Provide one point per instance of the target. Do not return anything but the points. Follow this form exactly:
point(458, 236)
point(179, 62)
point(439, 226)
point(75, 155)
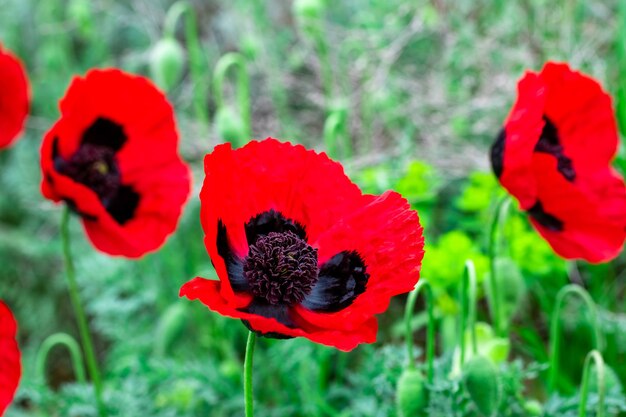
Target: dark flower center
point(95, 167)
point(281, 268)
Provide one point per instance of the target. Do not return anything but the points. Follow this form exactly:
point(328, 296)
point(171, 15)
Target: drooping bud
point(229, 126)
point(166, 63)
point(482, 383)
point(533, 408)
point(411, 398)
point(308, 9)
point(170, 327)
point(611, 380)
point(80, 14)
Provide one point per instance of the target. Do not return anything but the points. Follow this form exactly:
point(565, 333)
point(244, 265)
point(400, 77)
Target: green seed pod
point(229, 126)
point(170, 327)
point(166, 63)
point(482, 383)
point(411, 400)
point(533, 408)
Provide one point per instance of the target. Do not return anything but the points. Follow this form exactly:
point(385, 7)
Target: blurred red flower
point(10, 367)
point(14, 97)
point(113, 158)
point(554, 156)
point(298, 249)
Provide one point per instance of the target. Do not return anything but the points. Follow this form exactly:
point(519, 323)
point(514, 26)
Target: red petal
point(388, 236)
point(585, 120)
point(10, 366)
point(14, 97)
point(208, 292)
point(593, 215)
point(523, 129)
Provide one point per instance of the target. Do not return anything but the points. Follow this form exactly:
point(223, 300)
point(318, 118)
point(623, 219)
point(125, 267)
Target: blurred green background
point(407, 94)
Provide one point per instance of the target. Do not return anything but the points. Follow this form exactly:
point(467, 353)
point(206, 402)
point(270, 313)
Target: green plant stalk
point(468, 308)
point(313, 28)
point(225, 63)
point(596, 357)
point(92, 363)
point(555, 328)
point(621, 67)
point(194, 48)
point(247, 374)
point(279, 95)
point(430, 332)
point(495, 301)
point(332, 131)
point(73, 348)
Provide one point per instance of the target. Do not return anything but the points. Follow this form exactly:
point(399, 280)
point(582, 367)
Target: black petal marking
point(123, 204)
point(547, 220)
point(72, 206)
point(549, 143)
point(497, 154)
point(94, 164)
point(341, 280)
point(278, 312)
point(106, 133)
point(234, 265)
point(272, 221)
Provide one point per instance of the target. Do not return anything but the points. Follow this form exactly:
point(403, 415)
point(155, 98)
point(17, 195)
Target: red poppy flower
point(10, 368)
point(554, 156)
point(14, 97)
point(113, 158)
point(298, 249)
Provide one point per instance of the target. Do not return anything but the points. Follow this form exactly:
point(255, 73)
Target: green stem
point(81, 318)
point(247, 374)
point(194, 48)
point(225, 63)
point(430, 332)
point(468, 307)
point(73, 348)
point(332, 129)
point(596, 357)
point(555, 328)
point(313, 28)
point(495, 301)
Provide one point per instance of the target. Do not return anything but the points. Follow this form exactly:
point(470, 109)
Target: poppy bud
point(308, 9)
point(533, 408)
point(482, 383)
point(166, 63)
point(170, 327)
point(229, 126)
point(611, 380)
point(411, 398)
point(79, 12)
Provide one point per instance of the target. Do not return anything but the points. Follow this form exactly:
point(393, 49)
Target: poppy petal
point(208, 292)
point(387, 235)
point(10, 366)
point(14, 97)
